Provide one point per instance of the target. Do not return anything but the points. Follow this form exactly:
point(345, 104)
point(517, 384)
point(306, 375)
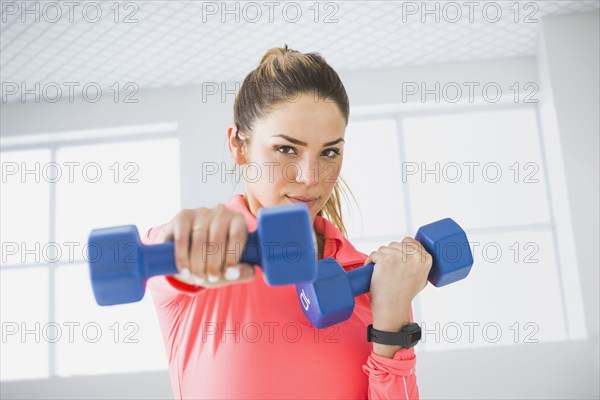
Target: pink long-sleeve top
point(252, 341)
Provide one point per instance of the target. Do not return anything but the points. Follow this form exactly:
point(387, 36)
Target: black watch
point(409, 335)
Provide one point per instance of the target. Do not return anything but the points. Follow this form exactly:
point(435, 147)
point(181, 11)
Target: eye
point(335, 153)
point(285, 149)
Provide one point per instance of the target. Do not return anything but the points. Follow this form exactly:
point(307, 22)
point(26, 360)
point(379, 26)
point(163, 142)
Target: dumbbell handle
point(360, 278)
point(160, 258)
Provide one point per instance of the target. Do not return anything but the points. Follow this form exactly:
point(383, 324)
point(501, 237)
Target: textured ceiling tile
point(171, 44)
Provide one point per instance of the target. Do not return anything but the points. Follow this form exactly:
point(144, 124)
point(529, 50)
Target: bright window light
point(486, 170)
point(25, 197)
point(482, 168)
point(372, 170)
point(26, 332)
point(51, 323)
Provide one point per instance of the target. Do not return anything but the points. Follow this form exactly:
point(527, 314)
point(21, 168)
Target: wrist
point(389, 343)
point(385, 350)
point(392, 321)
point(390, 326)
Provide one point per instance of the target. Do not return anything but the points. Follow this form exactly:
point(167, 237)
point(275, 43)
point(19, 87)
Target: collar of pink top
point(336, 245)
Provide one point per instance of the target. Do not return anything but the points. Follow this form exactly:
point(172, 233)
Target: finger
point(396, 245)
point(381, 251)
point(232, 273)
point(200, 232)
point(217, 237)
point(186, 277)
point(243, 273)
point(386, 250)
point(236, 240)
point(411, 246)
point(408, 239)
point(167, 233)
point(407, 247)
point(376, 256)
point(181, 236)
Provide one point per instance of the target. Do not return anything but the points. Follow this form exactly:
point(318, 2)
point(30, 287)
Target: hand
point(208, 246)
point(400, 273)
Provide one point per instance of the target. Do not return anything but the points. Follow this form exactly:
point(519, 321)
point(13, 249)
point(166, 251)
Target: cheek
point(330, 172)
point(263, 169)
point(287, 172)
point(273, 172)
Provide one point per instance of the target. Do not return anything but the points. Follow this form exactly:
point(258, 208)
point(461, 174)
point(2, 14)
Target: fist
point(400, 273)
point(208, 246)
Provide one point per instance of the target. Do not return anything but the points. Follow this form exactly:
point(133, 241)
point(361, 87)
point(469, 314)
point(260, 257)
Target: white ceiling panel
point(171, 43)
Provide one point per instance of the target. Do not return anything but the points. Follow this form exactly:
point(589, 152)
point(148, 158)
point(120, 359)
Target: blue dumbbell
point(330, 298)
point(120, 264)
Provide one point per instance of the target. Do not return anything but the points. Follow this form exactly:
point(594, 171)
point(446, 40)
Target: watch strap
point(409, 335)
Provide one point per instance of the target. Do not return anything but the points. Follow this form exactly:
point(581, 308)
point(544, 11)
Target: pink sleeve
point(154, 235)
point(393, 378)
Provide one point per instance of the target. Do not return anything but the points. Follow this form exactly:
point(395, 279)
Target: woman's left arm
point(391, 369)
point(400, 273)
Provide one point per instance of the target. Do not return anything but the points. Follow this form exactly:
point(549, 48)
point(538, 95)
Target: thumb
point(167, 233)
point(368, 261)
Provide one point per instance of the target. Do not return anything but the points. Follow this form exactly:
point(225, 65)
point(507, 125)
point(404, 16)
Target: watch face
point(414, 336)
point(411, 335)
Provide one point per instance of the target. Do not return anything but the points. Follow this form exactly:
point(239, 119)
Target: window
point(372, 170)
point(53, 194)
point(486, 170)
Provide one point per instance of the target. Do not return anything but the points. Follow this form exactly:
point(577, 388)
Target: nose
point(308, 171)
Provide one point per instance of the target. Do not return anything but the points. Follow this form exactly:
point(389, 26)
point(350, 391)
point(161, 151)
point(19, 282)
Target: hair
point(284, 74)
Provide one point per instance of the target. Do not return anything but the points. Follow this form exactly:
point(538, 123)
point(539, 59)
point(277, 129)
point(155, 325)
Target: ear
point(236, 148)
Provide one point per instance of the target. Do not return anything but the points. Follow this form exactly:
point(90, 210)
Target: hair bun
point(275, 53)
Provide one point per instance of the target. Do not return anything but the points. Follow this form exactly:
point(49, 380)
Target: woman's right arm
point(208, 246)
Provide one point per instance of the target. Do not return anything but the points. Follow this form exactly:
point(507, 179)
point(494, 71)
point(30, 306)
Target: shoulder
point(337, 246)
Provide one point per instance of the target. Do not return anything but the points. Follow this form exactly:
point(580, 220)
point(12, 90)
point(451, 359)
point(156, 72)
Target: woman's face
point(295, 154)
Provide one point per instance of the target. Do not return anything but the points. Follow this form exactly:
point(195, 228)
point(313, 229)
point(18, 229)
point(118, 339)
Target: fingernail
point(185, 273)
point(232, 273)
point(212, 278)
point(198, 280)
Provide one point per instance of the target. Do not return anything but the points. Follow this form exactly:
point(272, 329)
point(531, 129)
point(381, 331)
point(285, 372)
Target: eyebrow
point(301, 143)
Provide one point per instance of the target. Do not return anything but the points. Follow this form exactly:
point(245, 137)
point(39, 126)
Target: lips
point(305, 199)
point(309, 201)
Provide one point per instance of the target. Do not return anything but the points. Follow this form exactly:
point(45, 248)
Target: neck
point(250, 205)
point(253, 208)
point(320, 246)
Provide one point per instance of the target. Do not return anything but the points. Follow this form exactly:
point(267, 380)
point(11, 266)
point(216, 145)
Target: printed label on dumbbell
point(304, 300)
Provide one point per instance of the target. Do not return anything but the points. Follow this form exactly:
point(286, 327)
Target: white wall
point(555, 370)
point(568, 68)
point(202, 127)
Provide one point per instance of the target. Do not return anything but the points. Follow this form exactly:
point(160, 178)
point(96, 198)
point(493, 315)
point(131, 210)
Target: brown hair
point(283, 74)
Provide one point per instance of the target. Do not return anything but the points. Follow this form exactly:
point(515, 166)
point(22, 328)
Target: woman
point(228, 334)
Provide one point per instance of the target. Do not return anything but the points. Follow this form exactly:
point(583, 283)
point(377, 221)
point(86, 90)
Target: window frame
point(54, 142)
point(399, 112)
